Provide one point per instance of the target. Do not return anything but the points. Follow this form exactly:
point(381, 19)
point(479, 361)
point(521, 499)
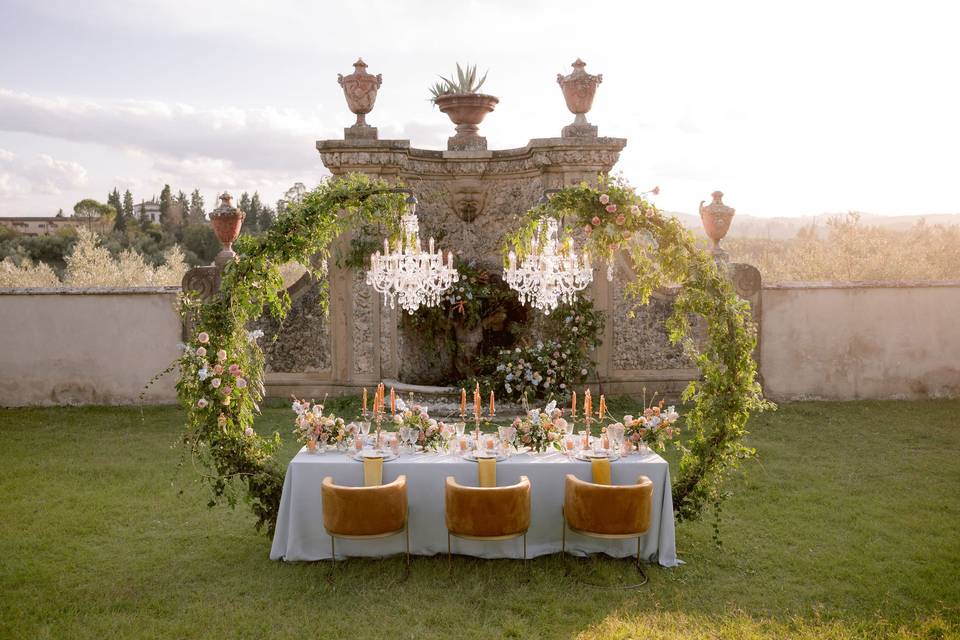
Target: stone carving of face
point(467, 199)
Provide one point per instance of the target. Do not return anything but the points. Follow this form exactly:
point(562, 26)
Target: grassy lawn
point(846, 526)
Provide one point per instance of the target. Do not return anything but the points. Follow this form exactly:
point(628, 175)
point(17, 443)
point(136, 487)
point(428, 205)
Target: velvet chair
point(365, 513)
point(608, 511)
point(488, 513)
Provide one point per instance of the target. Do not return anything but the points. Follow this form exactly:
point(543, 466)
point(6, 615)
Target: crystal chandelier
point(548, 274)
point(408, 274)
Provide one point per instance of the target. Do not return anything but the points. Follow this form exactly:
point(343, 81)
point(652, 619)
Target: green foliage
point(548, 369)
point(465, 82)
point(220, 415)
point(613, 219)
point(847, 249)
point(90, 208)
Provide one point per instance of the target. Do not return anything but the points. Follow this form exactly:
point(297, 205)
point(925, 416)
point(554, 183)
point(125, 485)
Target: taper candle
point(393, 402)
point(493, 406)
point(573, 406)
point(463, 402)
point(364, 401)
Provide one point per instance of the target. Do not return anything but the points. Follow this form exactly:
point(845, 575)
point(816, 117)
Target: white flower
point(201, 351)
point(583, 372)
point(248, 431)
point(203, 374)
point(534, 416)
point(550, 407)
point(202, 403)
point(401, 405)
point(398, 419)
point(215, 383)
point(297, 407)
point(241, 383)
point(253, 335)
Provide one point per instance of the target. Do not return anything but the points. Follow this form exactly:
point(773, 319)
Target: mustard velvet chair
point(487, 513)
point(365, 513)
point(614, 512)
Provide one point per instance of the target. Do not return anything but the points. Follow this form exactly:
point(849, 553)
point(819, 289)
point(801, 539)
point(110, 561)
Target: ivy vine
point(613, 219)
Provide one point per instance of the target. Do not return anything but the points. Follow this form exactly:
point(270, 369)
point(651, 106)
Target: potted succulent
point(464, 105)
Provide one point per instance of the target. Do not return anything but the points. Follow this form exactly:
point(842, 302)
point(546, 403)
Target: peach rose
point(201, 351)
point(222, 355)
point(621, 219)
point(611, 208)
point(604, 198)
point(596, 221)
point(203, 337)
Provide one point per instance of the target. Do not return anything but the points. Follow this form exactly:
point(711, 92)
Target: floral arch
point(221, 369)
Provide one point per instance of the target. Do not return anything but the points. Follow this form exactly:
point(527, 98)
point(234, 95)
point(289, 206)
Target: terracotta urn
point(360, 89)
point(716, 218)
point(467, 111)
point(226, 221)
point(579, 88)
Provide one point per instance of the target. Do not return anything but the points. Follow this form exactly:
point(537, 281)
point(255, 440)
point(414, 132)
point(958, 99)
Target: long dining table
point(300, 535)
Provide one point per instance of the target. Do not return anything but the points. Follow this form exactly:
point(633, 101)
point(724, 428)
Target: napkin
point(487, 470)
point(372, 472)
point(601, 470)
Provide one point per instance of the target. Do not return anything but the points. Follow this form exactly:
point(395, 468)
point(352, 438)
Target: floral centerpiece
point(312, 426)
point(429, 433)
point(653, 428)
point(540, 429)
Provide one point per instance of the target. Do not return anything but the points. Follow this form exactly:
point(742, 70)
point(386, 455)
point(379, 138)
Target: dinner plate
point(588, 456)
point(387, 455)
point(473, 458)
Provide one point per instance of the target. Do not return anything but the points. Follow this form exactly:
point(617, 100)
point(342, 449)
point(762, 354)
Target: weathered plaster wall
point(87, 348)
point(870, 340)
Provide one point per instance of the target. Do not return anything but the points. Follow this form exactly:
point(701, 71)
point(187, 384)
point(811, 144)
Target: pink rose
point(234, 369)
point(604, 198)
point(201, 351)
point(634, 209)
point(215, 383)
point(596, 221)
point(202, 403)
point(241, 383)
point(248, 431)
point(226, 390)
point(649, 213)
point(203, 337)
point(621, 219)
point(222, 355)
point(218, 369)
point(611, 208)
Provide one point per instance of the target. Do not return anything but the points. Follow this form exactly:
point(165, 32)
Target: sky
point(789, 108)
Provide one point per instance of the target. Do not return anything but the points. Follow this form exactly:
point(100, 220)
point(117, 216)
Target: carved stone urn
point(360, 89)
point(716, 218)
point(226, 221)
point(467, 111)
point(578, 88)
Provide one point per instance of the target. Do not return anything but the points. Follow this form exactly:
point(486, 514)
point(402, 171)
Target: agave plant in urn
point(716, 218)
point(226, 221)
point(578, 88)
point(465, 106)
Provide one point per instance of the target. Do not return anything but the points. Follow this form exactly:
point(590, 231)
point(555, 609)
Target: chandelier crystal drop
point(548, 274)
point(407, 274)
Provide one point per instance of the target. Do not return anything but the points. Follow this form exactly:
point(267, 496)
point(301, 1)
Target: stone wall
point(87, 346)
point(867, 340)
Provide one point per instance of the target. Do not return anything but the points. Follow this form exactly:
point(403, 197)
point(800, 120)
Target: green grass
point(846, 526)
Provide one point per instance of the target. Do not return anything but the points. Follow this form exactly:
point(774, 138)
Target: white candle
point(431, 244)
point(512, 258)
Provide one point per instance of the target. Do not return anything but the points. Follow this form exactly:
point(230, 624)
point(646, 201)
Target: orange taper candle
point(364, 401)
point(476, 402)
point(573, 406)
point(603, 406)
point(393, 402)
point(463, 401)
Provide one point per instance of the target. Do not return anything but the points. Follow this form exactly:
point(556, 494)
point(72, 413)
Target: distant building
point(147, 209)
point(42, 226)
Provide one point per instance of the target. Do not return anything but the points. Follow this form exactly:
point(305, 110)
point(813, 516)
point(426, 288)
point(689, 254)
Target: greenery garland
point(221, 369)
point(612, 219)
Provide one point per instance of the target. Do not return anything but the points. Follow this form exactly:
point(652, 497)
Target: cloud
point(265, 149)
point(41, 174)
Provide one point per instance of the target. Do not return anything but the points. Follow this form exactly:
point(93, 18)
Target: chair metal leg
point(524, 548)
point(407, 532)
point(563, 538)
point(449, 559)
point(333, 551)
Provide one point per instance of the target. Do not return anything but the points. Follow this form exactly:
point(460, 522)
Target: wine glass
point(460, 426)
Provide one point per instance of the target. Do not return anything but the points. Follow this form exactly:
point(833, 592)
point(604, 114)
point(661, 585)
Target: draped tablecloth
point(300, 535)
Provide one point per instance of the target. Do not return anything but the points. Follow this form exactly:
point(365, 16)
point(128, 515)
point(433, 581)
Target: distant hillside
point(782, 228)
